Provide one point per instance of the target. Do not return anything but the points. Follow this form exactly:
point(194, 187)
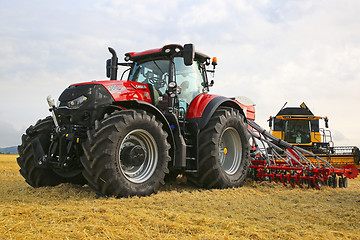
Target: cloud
point(9, 136)
point(271, 51)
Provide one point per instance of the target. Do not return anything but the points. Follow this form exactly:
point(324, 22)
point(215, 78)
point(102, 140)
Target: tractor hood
point(82, 104)
point(123, 90)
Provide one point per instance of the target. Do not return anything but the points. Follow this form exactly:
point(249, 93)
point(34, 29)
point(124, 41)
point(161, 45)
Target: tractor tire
point(224, 151)
point(126, 154)
point(36, 173)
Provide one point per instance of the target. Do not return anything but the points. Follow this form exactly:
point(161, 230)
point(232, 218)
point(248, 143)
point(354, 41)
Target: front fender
point(135, 104)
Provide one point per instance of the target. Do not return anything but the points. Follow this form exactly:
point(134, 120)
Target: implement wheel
point(334, 181)
point(224, 150)
point(126, 154)
point(345, 182)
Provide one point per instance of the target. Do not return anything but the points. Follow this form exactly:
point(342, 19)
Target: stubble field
point(254, 211)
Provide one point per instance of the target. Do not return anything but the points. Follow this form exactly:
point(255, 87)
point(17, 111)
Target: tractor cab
point(190, 80)
point(174, 74)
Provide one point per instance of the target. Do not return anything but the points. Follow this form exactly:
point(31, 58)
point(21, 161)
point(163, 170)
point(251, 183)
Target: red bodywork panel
point(248, 110)
point(125, 90)
point(197, 106)
point(136, 54)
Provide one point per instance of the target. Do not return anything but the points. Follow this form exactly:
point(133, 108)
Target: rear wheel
point(126, 154)
point(224, 150)
point(32, 155)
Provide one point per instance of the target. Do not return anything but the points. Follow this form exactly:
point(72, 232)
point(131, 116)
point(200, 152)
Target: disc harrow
point(276, 160)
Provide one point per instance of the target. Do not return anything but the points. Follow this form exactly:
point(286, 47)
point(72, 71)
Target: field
point(254, 211)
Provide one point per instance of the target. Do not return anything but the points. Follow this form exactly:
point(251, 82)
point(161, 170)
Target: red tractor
point(124, 137)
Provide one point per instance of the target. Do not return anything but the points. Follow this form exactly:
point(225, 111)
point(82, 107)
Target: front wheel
point(224, 150)
point(126, 154)
point(32, 154)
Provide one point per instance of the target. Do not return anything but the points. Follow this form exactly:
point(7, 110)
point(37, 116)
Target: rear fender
point(204, 106)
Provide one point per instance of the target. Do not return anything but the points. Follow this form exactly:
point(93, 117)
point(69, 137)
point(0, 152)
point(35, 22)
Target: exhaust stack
point(112, 65)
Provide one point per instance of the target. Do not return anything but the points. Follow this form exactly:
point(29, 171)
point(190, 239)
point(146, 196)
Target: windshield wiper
point(158, 66)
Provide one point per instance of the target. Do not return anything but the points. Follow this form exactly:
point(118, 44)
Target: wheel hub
point(133, 155)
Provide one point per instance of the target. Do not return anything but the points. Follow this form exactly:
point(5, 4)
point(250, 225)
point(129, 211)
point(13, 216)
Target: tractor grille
point(82, 104)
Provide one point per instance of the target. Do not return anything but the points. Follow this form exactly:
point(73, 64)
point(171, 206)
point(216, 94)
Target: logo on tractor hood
point(117, 88)
point(114, 88)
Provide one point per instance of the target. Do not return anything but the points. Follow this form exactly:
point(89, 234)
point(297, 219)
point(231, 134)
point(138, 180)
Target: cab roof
point(295, 111)
point(166, 50)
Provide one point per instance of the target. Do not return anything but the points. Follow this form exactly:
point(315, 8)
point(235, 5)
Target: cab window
point(189, 79)
point(155, 72)
point(297, 131)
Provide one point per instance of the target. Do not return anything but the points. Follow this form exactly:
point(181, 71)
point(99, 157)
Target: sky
point(272, 52)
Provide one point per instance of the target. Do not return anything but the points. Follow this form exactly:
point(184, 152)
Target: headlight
point(50, 101)
point(76, 103)
point(85, 96)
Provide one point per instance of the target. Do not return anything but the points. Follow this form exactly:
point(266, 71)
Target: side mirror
point(211, 83)
point(326, 122)
point(108, 68)
point(188, 54)
point(270, 122)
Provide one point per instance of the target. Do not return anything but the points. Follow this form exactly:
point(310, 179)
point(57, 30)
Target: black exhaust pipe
point(112, 65)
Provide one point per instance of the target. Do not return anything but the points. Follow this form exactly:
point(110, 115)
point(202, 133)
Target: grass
point(254, 211)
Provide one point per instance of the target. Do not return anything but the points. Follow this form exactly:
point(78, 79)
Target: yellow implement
point(300, 127)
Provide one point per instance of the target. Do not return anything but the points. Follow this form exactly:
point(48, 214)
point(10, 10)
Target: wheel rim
point(230, 150)
point(138, 143)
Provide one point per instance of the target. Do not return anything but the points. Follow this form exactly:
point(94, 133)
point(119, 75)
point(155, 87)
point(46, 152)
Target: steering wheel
point(155, 80)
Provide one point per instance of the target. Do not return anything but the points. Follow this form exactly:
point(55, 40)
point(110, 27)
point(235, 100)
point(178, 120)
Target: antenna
point(283, 106)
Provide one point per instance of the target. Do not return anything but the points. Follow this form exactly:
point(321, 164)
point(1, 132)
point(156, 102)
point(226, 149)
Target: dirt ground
point(254, 211)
